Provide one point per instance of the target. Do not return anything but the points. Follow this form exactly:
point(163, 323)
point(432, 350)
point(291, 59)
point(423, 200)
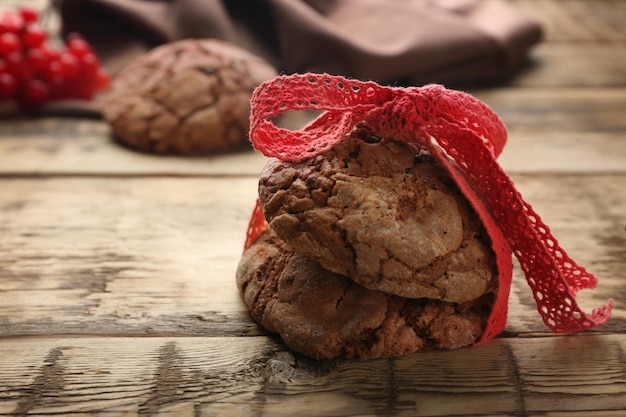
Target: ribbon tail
point(552, 276)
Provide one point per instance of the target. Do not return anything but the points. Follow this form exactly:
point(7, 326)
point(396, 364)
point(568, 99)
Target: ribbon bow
point(465, 136)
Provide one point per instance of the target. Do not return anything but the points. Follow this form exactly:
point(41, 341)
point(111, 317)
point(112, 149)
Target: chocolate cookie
point(185, 97)
point(383, 213)
point(325, 315)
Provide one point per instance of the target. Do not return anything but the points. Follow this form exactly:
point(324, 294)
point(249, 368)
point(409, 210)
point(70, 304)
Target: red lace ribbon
point(465, 136)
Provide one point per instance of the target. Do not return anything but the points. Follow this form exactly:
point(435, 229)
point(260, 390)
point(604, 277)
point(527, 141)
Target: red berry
point(53, 71)
point(50, 54)
point(9, 43)
point(15, 63)
point(12, 23)
point(8, 85)
point(69, 65)
point(36, 59)
point(29, 14)
point(90, 64)
point(33, 36)
point(58, 88)
point(35, 93)
point(104, 79)
point(78, 46)
point(78, 89)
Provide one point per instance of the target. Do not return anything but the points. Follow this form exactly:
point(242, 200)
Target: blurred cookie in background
point(186, 97)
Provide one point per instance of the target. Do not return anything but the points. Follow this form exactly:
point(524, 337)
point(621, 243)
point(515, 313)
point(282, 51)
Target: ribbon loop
point(317, 92)
point(343, 101)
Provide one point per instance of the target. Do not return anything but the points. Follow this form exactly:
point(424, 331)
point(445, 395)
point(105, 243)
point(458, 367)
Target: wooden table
point(117, 288)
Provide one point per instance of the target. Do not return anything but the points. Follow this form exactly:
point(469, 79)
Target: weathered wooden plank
point(64, 147)
point(537, 151)
point(257, 376)
point(158, 256)
point(111, 251)
point(573, 65)
point(578, 20)
point(562, 109)
point(80, 244)
point(83, 146)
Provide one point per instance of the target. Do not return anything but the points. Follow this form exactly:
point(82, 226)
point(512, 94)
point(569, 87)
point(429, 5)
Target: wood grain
point(578, 21)
point(560, 109)
point(537, 151)
point(78, 245)
point(527, 150)
point(257, 376)
point(575, 65)
point(588, 141)
point(72, 146)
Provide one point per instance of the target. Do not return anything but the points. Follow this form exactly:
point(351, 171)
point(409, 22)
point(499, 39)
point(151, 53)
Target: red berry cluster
point(32, 72)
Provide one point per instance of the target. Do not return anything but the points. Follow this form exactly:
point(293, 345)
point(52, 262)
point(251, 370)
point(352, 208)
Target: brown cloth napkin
point(390, 41)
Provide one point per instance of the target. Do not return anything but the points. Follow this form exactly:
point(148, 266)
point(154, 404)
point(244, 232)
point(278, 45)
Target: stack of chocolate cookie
point(371, 251)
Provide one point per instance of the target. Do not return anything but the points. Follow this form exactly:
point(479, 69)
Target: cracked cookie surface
point(325, 315)
point(384, 214)
point(186, 97)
